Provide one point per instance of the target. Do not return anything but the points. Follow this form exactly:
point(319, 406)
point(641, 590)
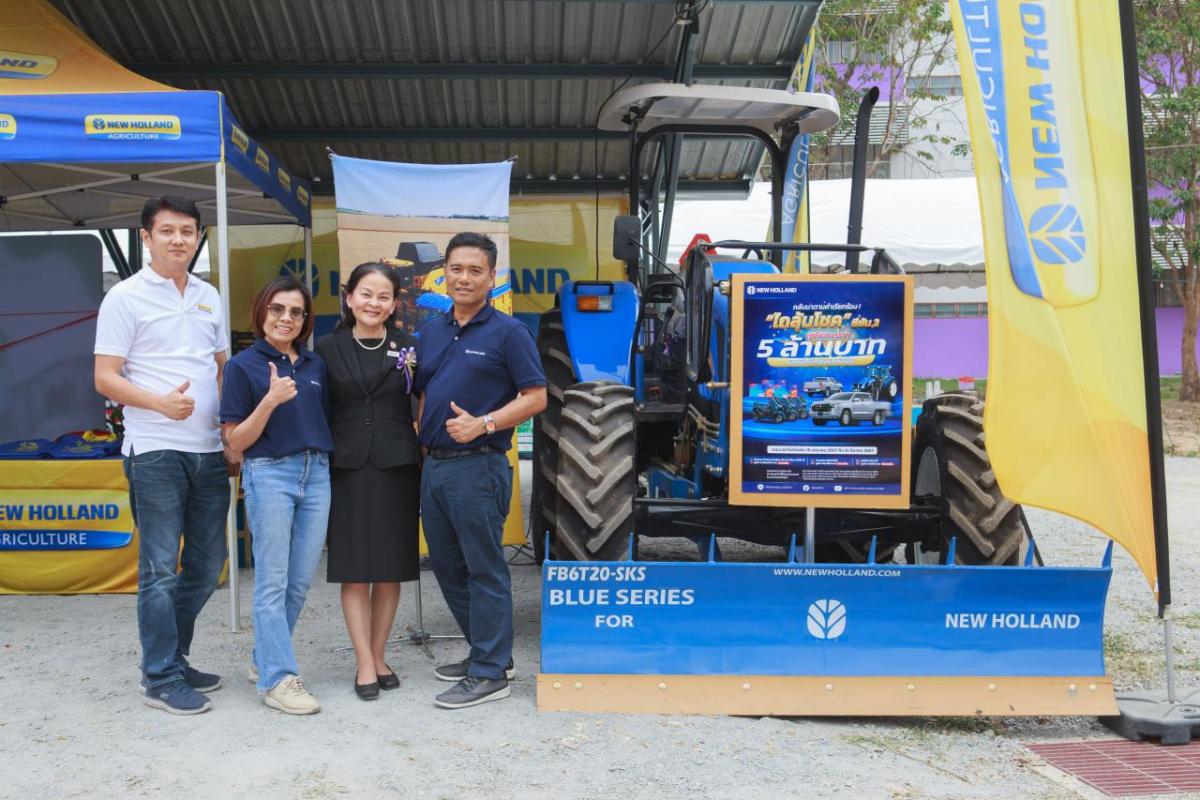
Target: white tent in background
point(918, 222)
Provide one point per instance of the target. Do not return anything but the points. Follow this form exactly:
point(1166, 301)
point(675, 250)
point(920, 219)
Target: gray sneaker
point(177, 697)
point(456, 671)
point(471, 691)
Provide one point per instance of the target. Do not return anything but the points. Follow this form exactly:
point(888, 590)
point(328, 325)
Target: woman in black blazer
point(374, 475)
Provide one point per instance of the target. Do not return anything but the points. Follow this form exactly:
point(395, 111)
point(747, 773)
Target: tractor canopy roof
point(710, 107)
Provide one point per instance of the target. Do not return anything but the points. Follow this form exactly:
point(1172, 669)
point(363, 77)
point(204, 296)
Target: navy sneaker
point(177, 697)
point(201, 681)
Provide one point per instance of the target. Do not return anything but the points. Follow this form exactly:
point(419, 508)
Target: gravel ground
point(72, 723)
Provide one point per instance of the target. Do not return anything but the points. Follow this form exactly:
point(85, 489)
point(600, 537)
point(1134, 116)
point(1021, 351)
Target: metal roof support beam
point(135, 248)
point(203, 233)
point(109, 238)
point(738, 189)
point(433, 134)
point(478, 71)
point(121, 178)
point(450, 135)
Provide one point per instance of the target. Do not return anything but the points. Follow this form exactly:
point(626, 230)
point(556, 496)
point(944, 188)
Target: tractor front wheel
point(952, 463)
point(560, 374)
point(597, 477)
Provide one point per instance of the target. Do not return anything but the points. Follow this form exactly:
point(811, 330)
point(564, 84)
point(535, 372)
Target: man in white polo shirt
point(160, 350)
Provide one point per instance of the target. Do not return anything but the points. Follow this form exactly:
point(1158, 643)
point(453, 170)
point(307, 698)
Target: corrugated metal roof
point(363, 76)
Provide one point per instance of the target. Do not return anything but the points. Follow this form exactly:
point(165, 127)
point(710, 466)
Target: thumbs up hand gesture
point(176, 404)
point(462, 427)
point(281, 390)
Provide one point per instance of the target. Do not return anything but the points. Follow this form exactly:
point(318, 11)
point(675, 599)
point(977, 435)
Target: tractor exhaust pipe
point(858, 178)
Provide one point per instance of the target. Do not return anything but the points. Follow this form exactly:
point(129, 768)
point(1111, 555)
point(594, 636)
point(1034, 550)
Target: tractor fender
point(600, 341)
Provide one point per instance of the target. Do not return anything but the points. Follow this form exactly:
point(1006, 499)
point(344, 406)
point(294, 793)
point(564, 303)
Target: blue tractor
point(636, 434)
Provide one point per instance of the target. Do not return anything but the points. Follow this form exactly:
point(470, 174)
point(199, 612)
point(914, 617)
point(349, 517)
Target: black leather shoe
point(366, 691)
point(389, 681)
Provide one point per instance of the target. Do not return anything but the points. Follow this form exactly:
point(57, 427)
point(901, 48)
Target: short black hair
point(168, 202)
point(284, 283)
point(478, 240)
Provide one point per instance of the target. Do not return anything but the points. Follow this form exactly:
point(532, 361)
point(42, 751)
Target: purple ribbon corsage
point(408, 362)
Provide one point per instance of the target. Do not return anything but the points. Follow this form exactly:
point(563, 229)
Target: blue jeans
point(464, 502)
point(287, 508)
point(173, 494)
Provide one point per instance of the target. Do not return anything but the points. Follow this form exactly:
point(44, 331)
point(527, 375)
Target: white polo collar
point(149, 275)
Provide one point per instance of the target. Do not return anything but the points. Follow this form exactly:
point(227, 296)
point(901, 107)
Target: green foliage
point(1169, 61)
point(892, 44)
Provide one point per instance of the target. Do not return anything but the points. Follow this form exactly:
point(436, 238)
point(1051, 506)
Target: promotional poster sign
point(1066, 415)
point(820, 390)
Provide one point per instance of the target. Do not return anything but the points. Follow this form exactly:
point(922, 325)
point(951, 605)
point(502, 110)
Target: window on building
point(837, 161)
point(949, 310)
point(846, 52)
point(941, 85)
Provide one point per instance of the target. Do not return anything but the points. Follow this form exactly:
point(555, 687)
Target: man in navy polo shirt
point(479, 376)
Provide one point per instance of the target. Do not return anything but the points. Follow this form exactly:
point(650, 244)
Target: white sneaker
point(290, 697)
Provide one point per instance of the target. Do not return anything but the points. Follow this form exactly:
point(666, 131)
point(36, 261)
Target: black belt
point(448, 452)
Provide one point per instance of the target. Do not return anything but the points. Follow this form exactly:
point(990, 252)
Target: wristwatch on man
point(489, 424)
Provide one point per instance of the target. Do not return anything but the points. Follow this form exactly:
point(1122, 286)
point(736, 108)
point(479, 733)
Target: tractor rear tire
point(597, 473)
point(560, 375)
point(951, 461)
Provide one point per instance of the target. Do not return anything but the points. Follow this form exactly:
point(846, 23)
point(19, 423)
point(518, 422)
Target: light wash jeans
point(173, 493)
point(287, 507)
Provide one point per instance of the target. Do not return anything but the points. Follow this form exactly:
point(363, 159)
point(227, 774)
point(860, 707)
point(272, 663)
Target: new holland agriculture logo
point(8, 126)
point(239, 138)
point(132, 126)
point(1056, 232)
point(302, 196)
point(1046, 246)
point(826, 619)
point(262, 160)
point(285, 180)
point(26, 66)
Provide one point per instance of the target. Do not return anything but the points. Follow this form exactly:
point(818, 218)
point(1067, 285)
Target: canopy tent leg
point(308, 278)
point(223, 271)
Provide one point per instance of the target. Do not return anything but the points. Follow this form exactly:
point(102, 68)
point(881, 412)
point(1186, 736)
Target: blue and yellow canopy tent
point(84, 142)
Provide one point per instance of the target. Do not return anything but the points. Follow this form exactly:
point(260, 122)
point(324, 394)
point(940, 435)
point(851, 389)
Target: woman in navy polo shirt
point(273, 410)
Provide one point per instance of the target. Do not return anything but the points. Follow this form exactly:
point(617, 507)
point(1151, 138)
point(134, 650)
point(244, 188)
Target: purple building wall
point(957, 347)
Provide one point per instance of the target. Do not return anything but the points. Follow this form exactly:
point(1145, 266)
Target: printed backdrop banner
point(560, 238)
point(66, 528)
point(404, 215)
point(1066, 411)
point(820, 372)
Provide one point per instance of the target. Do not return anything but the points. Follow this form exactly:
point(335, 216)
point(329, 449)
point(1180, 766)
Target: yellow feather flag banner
point(1066, 414)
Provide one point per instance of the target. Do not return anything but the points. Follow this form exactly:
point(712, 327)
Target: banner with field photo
point(403, 215)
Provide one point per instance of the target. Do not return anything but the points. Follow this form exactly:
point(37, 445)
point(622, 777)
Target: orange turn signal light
point(593, 302)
